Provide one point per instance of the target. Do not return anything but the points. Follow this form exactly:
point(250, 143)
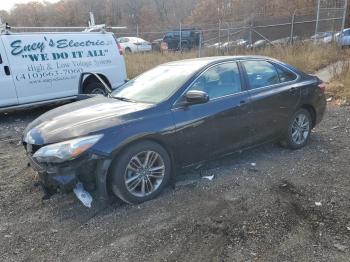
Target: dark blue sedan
point(176, 115)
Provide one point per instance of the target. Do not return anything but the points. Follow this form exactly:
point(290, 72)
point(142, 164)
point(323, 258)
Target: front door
point(218, 126)
point(8, 96)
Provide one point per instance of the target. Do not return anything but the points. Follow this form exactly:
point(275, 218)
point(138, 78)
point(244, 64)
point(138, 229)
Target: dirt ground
point(266, 204)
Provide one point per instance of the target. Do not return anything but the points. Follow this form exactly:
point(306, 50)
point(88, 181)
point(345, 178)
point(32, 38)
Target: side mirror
point(196, 97)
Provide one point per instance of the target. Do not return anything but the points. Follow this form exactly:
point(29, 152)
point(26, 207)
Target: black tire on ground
point(293, 143)
point(128, 50)
point(96, 88)
point(119, 175)
point(185, 47)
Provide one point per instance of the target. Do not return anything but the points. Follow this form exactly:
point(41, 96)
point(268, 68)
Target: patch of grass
point(339, 87)
point(304, 56)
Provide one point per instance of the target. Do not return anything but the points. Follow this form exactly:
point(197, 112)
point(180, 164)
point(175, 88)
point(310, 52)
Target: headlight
point(68, 150)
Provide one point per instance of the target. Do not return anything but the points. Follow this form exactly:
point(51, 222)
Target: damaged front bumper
point(89, 169)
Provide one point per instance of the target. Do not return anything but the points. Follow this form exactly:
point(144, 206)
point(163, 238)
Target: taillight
point(164, 45)
point(322, 87)
point(120, 48)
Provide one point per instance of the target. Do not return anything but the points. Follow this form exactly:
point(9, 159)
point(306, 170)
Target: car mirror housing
point(196, 97)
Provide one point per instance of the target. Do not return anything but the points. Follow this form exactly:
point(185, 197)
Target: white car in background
point(134, 44)
point(343, 38)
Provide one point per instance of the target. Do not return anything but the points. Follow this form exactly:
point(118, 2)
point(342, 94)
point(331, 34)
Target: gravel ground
point(265, 204)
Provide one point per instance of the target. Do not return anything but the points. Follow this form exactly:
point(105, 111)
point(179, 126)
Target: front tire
point(298, 131)
point(140, 172)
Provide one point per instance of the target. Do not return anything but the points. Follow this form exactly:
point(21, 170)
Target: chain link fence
point(319, 24)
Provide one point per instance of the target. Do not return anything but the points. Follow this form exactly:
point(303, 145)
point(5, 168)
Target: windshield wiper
point(124, 99)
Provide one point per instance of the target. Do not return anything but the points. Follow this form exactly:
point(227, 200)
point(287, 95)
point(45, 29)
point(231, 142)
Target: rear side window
point(261, 73)
point(285, 75)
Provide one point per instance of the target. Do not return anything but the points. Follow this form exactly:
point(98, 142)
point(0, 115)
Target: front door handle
point(7, 70)
point(242, 102)
point(293, 90)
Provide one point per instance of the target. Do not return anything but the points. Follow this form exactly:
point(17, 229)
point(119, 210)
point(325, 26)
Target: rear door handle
point(7, 70)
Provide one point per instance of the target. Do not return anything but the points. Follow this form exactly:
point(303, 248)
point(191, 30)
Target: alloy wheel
point(144, 173)
point(300, 129)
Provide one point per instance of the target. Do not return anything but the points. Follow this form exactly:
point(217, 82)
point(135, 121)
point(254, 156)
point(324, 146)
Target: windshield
point(155, 85)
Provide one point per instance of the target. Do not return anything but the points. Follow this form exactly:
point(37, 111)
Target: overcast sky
point(8, 4)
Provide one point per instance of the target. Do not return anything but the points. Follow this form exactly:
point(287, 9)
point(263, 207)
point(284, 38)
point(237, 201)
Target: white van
point(39, 68)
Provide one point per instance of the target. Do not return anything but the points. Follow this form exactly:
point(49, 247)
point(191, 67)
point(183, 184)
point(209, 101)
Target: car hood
point(81, 118)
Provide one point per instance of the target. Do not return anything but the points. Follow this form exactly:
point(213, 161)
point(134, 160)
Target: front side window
point(169, 35)
point(261, 73)
point(219, 81)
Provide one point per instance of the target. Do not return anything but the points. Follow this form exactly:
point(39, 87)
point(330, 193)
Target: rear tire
point(95, 88)
point(298, 131)
point(140, 172)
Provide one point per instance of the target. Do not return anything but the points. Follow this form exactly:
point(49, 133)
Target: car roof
point(132, 38)
point(203, 61)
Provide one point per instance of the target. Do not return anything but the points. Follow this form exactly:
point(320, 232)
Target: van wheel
point(95, 88)
point(298, 130)
point(140, 172)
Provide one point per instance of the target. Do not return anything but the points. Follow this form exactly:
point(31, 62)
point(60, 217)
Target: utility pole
point(292, 27)
point(344, 15)
point(180, 44)
point(317, 19)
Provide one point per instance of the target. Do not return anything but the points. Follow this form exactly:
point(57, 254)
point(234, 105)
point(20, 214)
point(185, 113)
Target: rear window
point(285, 75)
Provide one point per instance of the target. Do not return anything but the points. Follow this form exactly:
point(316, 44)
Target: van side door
point(8, 95)
point(29, 65)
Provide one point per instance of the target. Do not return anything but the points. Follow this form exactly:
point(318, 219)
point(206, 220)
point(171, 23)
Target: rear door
point(274, 93)
point(222, 124)
point(8, 96)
